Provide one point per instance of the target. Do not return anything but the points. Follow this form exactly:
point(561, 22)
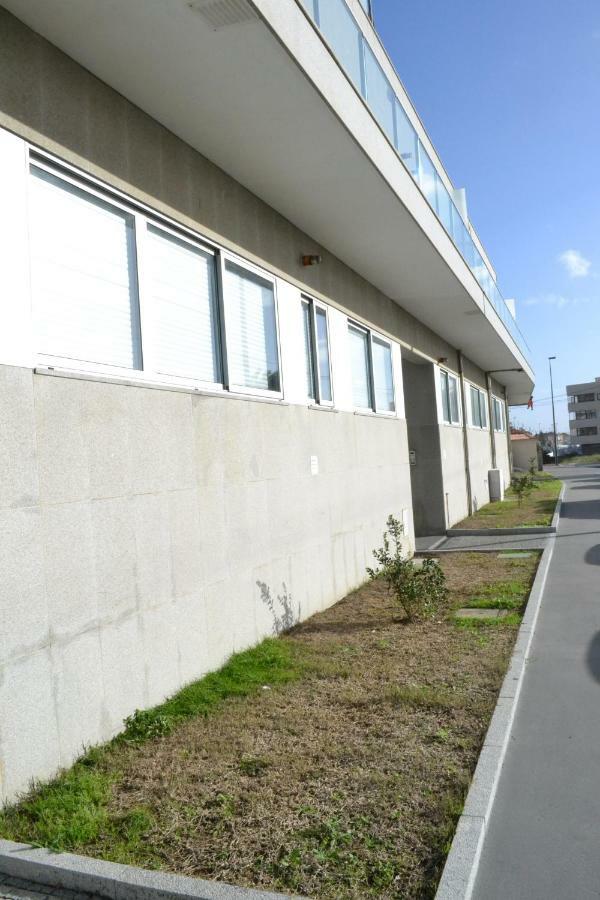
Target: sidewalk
point(543, 840)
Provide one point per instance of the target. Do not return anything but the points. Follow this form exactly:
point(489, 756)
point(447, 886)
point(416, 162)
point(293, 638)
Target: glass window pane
point(182, 287)
point(380, 96)
point(427, 177)
point(475, 408)
point(383, 377)
point(359, 362)
point(251, 330)
point(325, 393)
point(444, 205)
point(483, 414)
point(406, 141)
point(308, 351)
point(445, 398)
point(366, 5)
point(83, 271)
point(453, 391)
point(343, 34)
point(311, 7)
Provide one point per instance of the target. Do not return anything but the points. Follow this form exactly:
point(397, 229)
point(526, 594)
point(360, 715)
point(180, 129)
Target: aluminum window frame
point(225, 256)
point(389, 413)
point(448, 375)
point(314, 305)
point(145, 216)
point(482, 405)
point(498, 413)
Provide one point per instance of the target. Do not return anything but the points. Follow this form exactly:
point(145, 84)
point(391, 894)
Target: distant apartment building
point(584, 415)
point(245, 316)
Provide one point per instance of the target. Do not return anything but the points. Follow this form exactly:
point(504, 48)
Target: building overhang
point(264, 99)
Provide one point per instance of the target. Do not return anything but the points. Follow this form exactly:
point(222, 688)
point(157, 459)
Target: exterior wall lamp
point(311, 260)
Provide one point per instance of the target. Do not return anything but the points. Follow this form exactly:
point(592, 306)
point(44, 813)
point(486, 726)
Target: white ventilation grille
point(223, 13)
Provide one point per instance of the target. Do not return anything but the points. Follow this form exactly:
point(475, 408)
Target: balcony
point(300, 105)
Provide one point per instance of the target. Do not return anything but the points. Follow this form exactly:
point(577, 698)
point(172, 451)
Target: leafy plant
point(523, 485)
point(145, 724)
point(419, 590)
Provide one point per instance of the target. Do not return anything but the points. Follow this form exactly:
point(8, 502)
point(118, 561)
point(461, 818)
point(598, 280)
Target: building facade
point(584, 415)
point(244, 318)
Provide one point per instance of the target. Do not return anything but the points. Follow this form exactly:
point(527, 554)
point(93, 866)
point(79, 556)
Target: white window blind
point(182, 287)
point(359, 362)
point(84, 280)
point(383, 377)
point(251, 328)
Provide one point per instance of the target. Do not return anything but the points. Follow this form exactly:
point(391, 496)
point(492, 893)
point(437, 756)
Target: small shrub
point(420, 591)
point(523, 485)
point(143, 725)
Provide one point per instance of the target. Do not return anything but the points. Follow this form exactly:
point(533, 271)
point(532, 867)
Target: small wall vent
point(220, 14)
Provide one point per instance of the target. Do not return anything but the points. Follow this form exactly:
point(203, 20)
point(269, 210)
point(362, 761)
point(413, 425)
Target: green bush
point(419, 591)
point(523, 485)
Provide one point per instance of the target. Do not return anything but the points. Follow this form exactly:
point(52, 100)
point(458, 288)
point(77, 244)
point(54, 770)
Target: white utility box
point(496, 483)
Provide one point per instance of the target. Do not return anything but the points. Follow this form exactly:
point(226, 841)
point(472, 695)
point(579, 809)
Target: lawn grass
point(536, 509)
point(590, 460)
point(332, 761)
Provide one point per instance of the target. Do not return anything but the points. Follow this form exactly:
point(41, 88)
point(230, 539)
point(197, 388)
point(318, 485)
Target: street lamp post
point(550, 358)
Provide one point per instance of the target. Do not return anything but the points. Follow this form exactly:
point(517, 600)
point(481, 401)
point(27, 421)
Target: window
point(84, 278)
point(588, 430)
point(316, 344)
point(587, 414)
point(183, 291)
point(585, 398)
point(251, 329)
point(359, 360)
point(383, 375)
point(499, 415)
point(450, 405)
point(478, 408)
point(372, 371)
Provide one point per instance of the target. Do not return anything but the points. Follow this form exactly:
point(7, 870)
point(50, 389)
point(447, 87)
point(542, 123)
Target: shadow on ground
point(593, 656)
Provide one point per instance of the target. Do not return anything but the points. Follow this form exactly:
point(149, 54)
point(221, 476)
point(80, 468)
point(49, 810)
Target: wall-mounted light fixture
point(311, 260)
point(442, 359)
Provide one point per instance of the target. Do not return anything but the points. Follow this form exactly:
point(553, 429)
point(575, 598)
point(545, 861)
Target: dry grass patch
point(339, 775)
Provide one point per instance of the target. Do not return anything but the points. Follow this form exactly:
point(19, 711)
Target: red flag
point(530, 402)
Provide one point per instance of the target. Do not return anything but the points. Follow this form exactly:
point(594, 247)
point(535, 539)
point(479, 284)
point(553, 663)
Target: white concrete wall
point(141, 529)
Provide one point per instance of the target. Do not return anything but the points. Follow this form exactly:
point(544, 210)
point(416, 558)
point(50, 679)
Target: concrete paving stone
point(517, 555)
point(468, 613)
point(545, 815)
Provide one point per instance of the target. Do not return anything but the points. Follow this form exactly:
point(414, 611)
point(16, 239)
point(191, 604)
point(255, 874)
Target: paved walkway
point(15, 889)
point(543, 841)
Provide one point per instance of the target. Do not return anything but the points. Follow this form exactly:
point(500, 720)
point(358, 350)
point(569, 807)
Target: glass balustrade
point(347, 41)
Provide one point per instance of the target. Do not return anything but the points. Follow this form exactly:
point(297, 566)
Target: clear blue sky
point(510, 95)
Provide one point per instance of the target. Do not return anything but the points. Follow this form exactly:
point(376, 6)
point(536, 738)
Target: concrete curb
point(458, 878)
point(112, 880)
point(523, 531)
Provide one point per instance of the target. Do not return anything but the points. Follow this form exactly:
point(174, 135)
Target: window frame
point(447, 374)
point(145, 216)
point(482, 401)
point(225, 256)
point(372, 409)
point(498, 403)
point(76, 364)
point(314, 305)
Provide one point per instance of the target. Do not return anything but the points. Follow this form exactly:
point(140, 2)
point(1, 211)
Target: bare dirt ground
point(344, 784)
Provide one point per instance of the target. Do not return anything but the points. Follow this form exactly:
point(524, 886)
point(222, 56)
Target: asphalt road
point(543, 840)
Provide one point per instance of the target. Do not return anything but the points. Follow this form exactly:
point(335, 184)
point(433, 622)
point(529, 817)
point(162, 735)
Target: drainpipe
point(463, 395)
point(510, 455)
point(488, 383)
